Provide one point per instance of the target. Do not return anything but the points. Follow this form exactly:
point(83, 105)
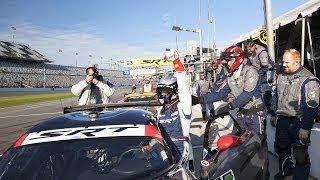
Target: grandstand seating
point(11, 50)
point(31, 70)
point(17, 73)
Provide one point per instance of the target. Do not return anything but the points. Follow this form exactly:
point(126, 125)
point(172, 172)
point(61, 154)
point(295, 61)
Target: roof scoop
point(93, 115)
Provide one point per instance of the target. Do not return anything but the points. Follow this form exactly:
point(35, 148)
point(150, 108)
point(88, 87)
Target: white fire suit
point(176, 118)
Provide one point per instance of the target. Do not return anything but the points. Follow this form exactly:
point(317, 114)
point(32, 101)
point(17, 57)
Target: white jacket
point(100, 94)
point(176, 121)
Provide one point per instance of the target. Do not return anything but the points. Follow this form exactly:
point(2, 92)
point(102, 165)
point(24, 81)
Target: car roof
point(86, 119)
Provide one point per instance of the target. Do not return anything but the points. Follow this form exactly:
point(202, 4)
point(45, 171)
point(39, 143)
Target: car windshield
point(100, 158)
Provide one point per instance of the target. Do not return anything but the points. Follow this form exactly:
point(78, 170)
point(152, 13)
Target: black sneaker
point(280, 176)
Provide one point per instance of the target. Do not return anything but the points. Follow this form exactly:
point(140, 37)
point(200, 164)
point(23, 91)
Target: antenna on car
point(100, 107)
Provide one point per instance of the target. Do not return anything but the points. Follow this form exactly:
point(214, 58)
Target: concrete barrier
point(42, 89)
point(32, 89)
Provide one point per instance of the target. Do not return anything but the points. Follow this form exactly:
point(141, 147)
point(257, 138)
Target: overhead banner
point(146, 62)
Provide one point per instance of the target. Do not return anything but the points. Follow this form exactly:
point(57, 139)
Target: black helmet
point(167, 88)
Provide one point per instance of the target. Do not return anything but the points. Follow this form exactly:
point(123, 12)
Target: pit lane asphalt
point(14, 121)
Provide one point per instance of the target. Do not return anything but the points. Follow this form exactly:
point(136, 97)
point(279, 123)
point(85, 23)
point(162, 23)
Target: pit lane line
point(27, 105)
point(42, 103)
point(30, 107)
point(33, 105)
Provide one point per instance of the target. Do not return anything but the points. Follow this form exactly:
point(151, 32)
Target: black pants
point(287, 138)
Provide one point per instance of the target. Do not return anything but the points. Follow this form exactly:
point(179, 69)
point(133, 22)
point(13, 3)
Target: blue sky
point(120, 29)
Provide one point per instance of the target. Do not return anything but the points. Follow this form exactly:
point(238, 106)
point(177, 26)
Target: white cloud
point(83, 41)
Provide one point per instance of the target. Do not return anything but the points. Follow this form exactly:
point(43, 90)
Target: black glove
point(224, 110)
point(195, 100)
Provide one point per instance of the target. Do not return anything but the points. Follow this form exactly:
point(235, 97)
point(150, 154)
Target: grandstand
point(11, 50)
point(21, 66)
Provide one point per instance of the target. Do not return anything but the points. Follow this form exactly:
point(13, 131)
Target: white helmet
point(167, 89)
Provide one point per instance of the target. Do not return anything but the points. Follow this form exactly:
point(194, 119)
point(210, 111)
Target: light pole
point(77, 59)
point(209, 21)
point(177, 28)
point(44, 76)
point(200, 38)
point(13, 32)
point(90, 57)
point(213, 22)
point(101, 61)
point(110, 64)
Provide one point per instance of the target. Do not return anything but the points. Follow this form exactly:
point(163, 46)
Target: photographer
point(92, 90)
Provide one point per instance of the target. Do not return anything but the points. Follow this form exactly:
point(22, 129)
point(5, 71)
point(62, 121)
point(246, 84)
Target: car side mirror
point(228, 141)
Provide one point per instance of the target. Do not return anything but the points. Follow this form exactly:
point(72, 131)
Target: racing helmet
point(233, 52)
point(167, 89)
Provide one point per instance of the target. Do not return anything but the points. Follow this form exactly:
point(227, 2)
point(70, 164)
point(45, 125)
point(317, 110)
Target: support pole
point(201, 58)
point(311, 47)
point(269, 28)
point(303, 35)
point(200, 37)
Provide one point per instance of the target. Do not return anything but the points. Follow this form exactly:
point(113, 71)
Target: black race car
point(94, 143)
point(118, 141)
point(232, 153)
